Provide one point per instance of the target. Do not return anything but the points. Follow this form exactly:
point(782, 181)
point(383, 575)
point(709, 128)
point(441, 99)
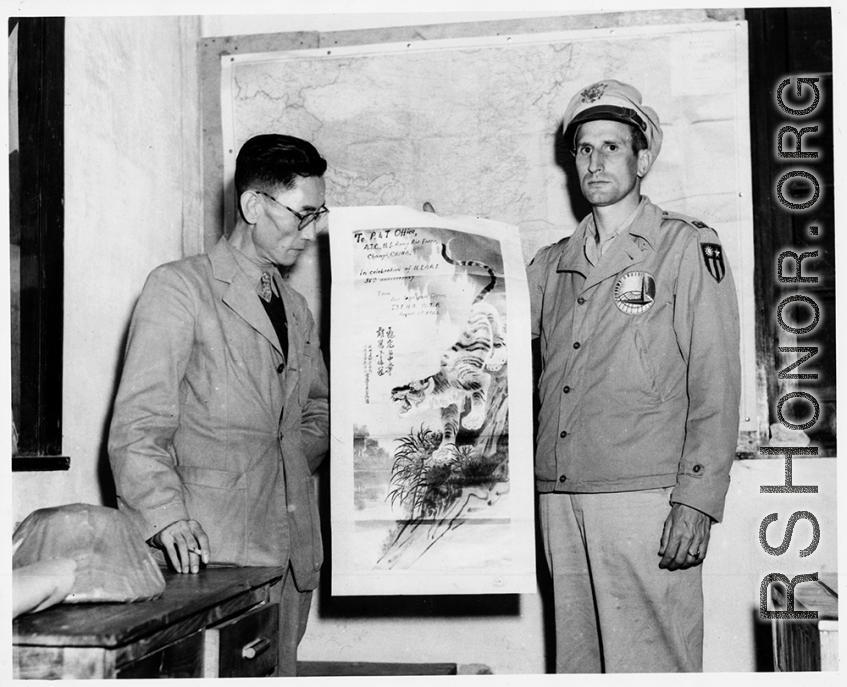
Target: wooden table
point(221, 622)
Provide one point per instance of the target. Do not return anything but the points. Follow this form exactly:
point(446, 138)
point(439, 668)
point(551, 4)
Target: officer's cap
point(610, 99)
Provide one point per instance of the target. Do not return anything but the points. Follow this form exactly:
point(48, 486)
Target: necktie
point(276, 312)
point(266, 293)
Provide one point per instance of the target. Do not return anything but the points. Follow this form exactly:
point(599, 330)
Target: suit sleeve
point(707, 331)
point(147, 409)
point(315, 421)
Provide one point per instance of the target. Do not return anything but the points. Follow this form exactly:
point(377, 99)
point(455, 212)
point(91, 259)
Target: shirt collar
point(594, 247)
point(644, 222)
point(253, 270)
point(591, 228)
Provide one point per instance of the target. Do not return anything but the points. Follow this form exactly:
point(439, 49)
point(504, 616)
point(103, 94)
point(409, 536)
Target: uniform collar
point(645, 223)
point(593, 246)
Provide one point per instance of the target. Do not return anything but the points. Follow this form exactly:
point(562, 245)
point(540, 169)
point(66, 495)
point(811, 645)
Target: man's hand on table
point(185, 544)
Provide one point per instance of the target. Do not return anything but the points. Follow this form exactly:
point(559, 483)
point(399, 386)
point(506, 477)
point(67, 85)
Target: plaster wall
point(132, 164)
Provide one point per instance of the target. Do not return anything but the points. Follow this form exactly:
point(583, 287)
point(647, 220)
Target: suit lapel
point(296, 344)
point(239, 294)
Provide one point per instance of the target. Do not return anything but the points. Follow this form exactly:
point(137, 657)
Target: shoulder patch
point(713, 257)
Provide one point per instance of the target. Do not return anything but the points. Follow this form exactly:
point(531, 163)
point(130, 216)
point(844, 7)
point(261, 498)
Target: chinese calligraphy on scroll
point(431, 405)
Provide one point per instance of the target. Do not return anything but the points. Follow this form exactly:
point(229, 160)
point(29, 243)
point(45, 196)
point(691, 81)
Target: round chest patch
point(634, 292)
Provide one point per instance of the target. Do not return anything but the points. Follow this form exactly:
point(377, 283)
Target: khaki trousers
point(616, 610)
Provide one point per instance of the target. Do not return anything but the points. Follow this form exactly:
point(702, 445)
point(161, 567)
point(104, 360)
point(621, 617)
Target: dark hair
point(639, 140)
point(268, 161)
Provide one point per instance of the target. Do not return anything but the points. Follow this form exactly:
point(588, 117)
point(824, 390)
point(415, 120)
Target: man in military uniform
point(637, 321)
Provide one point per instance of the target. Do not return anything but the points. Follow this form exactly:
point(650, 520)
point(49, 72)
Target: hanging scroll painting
point(431, 405)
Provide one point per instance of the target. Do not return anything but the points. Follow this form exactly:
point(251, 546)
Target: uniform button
point(576, 344)
point(562, 478)
point(566, 390)
point(698, 468)
point(563, 434)
point(580, 300)
point(280, 369)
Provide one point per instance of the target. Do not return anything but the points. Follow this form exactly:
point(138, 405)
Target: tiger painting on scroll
point(432, 489)
point(442, 473)
point(464, 378)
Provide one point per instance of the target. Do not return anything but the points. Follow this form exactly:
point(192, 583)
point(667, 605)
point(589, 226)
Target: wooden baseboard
point(344, 668)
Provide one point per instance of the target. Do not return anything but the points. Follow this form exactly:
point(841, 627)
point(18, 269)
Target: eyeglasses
point(305, 220)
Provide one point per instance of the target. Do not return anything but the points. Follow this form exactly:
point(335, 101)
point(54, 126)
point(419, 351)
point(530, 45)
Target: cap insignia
point(593, 92)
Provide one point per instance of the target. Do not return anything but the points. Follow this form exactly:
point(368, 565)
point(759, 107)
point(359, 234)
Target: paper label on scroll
point(432, 470)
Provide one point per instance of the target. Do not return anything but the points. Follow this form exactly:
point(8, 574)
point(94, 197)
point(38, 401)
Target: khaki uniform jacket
point(210, 425)
point(640, 380)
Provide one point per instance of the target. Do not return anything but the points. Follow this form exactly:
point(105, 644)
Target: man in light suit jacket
point(222, 414)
